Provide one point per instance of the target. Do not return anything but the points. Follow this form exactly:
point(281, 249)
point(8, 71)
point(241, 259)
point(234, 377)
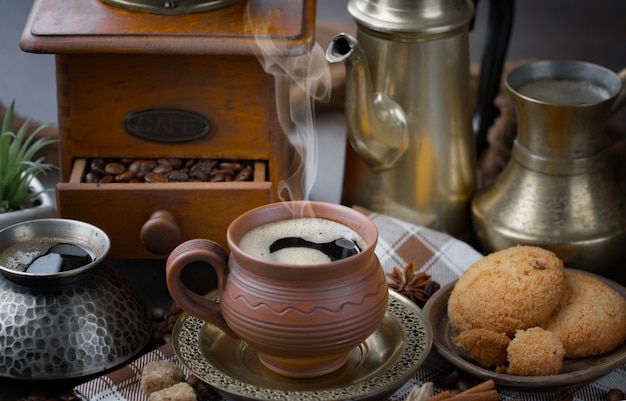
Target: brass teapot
point(413, 152)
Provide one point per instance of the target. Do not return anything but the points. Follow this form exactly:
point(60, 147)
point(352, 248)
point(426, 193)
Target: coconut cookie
point(535, 352)
point(590, 319)
point(508, 290)
point(486, 347)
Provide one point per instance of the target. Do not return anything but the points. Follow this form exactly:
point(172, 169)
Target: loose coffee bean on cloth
point(437, 254)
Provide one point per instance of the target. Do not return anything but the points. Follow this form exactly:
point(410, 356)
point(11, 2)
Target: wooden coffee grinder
point(168, 79)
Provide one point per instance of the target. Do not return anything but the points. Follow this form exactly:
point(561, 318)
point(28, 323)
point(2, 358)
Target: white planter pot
point(46, 209)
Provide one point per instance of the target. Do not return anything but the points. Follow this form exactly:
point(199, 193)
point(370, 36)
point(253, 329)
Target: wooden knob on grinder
point(160, 234)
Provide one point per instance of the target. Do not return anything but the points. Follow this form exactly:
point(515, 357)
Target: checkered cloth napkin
point(438, 254)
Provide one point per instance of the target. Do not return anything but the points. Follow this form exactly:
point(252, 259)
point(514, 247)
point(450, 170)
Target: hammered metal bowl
point(69, 324)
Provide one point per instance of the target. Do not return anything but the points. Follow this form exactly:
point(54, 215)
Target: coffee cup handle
point(197, 250)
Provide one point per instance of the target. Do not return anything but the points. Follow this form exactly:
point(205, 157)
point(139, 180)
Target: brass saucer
point(375, 369)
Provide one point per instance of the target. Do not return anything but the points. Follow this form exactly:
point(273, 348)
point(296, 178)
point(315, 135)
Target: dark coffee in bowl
point(302, 241)
point(45, 256)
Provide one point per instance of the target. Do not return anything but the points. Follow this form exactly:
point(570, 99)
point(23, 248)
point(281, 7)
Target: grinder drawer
point(145, 220)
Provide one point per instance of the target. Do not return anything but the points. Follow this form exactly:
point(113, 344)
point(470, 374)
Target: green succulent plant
point(17, 164)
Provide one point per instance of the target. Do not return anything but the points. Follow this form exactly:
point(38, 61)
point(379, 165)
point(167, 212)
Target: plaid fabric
point(124, 384)
point(436, 253)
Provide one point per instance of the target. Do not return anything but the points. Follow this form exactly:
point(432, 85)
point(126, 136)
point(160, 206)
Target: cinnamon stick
point(444, 395)
point(489, 395)
point(484, 391)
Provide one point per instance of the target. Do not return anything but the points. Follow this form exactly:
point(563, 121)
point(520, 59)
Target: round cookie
point(508, 290)
point(486, 347)
point(590, 319)
point(535, 352)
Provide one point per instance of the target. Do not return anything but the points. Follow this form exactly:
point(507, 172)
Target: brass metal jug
point(409, 122)
point(558, 191)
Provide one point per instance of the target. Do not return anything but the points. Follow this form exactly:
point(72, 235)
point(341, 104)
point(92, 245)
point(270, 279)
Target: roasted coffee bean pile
point(124, 170)
point(164, 319)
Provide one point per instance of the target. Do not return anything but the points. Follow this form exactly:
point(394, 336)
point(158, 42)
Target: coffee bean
point(232, 166)
point(447, 380)
point(135, 166)
point(228, 175)
point(92, 177)
point(126, 176)
point(615, 395)
point(200, 175)
point(177, 176)
point(245, 174)
point(165, 326)
point(203, 390)
point(148, 165)
point(217, 177)
point(162, 169)
point(114, 168)
point(106, 179)
point(463, 384)
point(157, 338)
point(155, 177)
point(97, 166)
point(158, 313)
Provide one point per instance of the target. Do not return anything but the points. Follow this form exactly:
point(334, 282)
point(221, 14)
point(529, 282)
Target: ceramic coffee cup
point(303, 319)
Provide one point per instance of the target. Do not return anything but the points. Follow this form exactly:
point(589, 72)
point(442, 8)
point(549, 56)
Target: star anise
point(417, 286)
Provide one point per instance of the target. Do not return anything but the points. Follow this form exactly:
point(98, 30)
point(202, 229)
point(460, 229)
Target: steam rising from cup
point(301, 78)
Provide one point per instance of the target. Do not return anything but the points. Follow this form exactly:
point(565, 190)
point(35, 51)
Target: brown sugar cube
point(178, 392)
point(158, 375)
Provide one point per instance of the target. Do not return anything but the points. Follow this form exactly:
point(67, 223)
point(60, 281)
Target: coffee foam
point(257, 241)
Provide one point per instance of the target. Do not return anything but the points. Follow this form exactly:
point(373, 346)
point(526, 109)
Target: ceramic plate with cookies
point(519, 317)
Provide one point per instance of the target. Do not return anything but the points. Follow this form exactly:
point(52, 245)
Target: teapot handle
point(620, 100)
point(198, 250)
point(497, 41)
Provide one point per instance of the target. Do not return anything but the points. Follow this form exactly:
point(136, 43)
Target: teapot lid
point(426, 16)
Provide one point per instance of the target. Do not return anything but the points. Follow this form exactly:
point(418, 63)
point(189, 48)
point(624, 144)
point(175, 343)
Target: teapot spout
point(377, 126)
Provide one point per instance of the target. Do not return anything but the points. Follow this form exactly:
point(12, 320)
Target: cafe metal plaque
point(167, 125)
